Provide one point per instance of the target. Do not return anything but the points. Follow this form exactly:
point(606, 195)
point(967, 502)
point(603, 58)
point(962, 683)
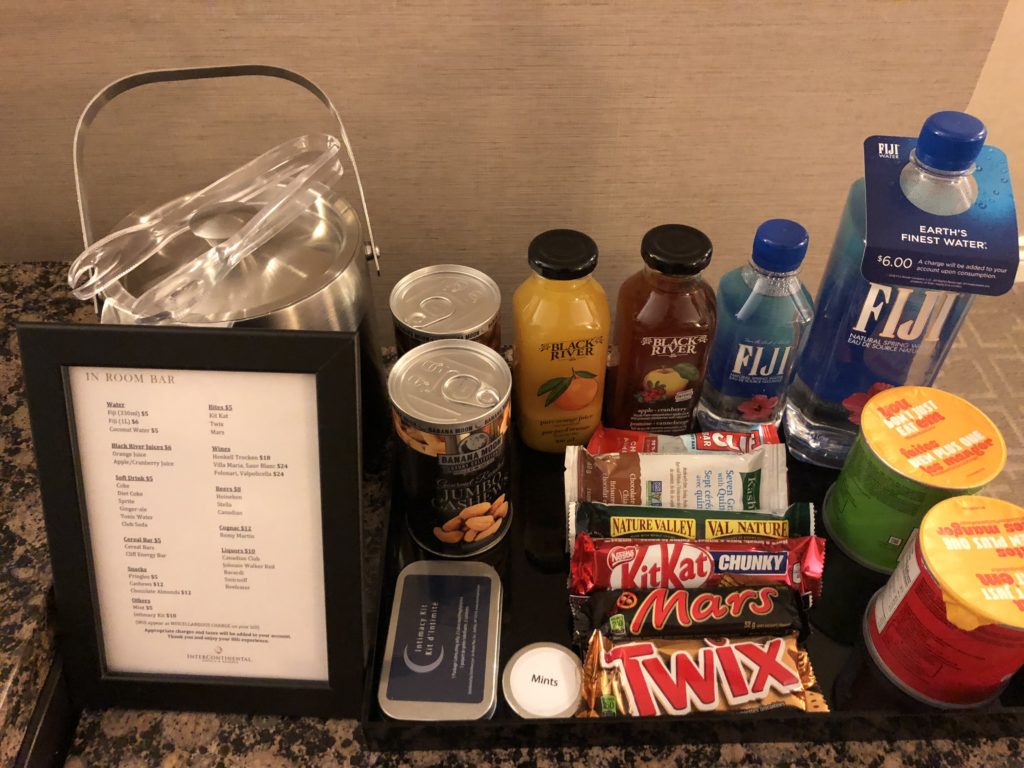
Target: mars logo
point(675, 565)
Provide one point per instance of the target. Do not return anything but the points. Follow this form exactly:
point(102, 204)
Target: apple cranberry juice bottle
point(664, 326)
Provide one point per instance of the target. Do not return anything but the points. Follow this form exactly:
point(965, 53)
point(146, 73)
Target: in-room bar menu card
point(202, 492)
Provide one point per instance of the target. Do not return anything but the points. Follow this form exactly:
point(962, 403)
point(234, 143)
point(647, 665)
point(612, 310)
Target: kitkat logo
point(619, 555)
point(675, 565)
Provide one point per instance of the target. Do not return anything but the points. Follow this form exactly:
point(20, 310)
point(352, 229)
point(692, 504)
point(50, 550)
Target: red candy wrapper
point(653, 563)
point(607, 440)
point(648, 678)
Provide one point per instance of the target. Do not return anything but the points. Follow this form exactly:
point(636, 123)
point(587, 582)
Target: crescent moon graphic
point(422, 668)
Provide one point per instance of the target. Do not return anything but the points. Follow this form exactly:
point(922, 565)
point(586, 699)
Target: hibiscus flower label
point(917, 446)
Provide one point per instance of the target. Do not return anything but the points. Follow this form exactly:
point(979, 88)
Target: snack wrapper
point(622, 614)
point(720, 480)
point(608, 440)
point(615, 521)
point(646, 678)
point(648, 564)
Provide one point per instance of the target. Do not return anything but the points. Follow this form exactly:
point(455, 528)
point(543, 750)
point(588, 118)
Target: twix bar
point(644, 678)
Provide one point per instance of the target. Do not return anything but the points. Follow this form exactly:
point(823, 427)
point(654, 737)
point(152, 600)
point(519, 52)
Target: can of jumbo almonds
point(948, 628)
point(451, 408)
point(916, 447)
point(446, 301)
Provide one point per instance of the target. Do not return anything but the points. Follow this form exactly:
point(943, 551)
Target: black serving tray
point(533, 566)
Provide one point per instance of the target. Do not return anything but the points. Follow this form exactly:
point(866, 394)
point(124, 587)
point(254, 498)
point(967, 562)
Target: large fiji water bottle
point(867, 336)
point(763, 314)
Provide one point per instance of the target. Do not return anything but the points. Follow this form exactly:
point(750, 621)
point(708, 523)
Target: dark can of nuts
point(446, 301)
point(451, 407)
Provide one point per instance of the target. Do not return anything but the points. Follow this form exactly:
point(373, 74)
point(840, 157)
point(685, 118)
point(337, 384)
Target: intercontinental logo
point(218, 657)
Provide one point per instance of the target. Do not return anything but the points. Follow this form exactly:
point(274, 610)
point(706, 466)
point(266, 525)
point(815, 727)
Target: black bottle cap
point(562, 254)
point(676, 249)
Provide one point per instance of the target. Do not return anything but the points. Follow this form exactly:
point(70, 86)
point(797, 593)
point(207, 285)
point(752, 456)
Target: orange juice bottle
point(561, 324)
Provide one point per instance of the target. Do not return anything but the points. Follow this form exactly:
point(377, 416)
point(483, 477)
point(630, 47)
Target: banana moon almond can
point(948, 628)
point(446, 301)
point(917, 446)
point(451, 410)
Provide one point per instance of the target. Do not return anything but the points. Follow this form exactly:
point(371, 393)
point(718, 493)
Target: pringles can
point(948, 628)
point(446, 301)
point(917, 446)
point(451, 409)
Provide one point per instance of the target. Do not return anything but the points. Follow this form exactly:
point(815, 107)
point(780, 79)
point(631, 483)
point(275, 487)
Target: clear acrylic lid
point(290, 182)
point(261, 238)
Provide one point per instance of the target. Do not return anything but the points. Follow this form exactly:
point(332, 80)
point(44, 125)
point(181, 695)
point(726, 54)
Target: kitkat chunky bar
point(647, 564)
point(716, 612)
point(720, 480)
point(645, 678)
point(615, 521)
point(609, 440)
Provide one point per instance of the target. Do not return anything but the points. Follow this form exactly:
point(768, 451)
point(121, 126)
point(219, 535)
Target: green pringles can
point(917, 446)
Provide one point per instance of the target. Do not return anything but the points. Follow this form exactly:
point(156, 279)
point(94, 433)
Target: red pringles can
point(948, 627)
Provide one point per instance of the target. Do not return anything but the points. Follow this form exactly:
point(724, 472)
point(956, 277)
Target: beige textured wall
point(999, 96)
point(478, 125)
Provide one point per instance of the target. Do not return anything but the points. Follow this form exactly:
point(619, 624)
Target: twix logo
point(661, 605)
point(748, 671)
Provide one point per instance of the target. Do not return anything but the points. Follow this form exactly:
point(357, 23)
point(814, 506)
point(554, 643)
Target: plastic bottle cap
point(780, 245)
point(676, 249)
point(950, 141)
point(562, 254)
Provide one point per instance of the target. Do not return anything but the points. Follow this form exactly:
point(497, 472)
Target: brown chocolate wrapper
point(646, 678)
point(622, 614)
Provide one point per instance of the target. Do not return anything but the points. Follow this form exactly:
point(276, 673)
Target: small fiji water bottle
point(763, 314)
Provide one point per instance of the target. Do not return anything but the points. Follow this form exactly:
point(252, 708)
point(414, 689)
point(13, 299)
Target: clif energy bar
point(623, 614)
point(608, 440)
point(614, 521)
point(721, 480)
point(632, 564)
point(644, 678)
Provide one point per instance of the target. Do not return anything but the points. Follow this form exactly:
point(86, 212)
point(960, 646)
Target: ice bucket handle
point(138, 79)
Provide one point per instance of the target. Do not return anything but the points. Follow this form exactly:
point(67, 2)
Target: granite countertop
point(985, 365)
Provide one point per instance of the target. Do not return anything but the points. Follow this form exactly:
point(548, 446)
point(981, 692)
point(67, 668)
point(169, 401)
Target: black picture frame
point(47, 350)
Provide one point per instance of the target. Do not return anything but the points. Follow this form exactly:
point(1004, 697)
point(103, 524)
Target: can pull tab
point(469, 390)
point(433, 309)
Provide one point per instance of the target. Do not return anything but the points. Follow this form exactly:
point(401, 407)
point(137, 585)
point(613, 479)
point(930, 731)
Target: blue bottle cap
point(780, 245)
point(950, 141)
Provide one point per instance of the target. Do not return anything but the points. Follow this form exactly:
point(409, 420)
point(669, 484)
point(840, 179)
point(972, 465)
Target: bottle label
point(565, 403)
point(752, 375)
point(971, 252)
point(667, 382)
